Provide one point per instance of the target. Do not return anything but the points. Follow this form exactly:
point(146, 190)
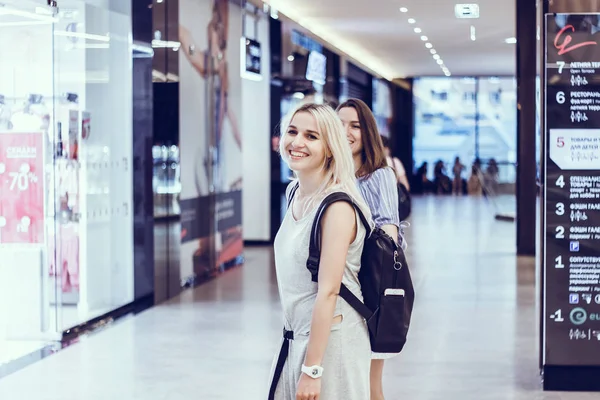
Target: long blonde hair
point(339, 165)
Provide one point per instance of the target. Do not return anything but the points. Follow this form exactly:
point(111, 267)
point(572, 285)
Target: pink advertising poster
point(21, 188)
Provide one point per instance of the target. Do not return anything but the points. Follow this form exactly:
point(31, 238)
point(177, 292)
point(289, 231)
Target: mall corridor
point(474, 333)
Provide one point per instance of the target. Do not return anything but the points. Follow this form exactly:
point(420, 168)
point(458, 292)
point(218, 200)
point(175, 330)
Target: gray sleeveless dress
point(348, 355)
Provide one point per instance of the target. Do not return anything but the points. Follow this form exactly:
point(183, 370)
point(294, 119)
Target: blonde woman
point(326, 352)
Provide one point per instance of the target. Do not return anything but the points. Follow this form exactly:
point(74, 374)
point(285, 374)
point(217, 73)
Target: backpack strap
point(292, 194)
point(314, 249)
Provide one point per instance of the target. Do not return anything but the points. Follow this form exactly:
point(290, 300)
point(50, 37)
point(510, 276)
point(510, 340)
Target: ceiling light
point(290, 57)
point(81, 35)
point(412, 20)
point(417, 30)
point(164, 44)
point(440, 61)
point(27, 14)
point(436, 57)
point(433, 51)
point(44, 10)
point(159, 1)
point(447, 73)
point(510, 40)
point(473, 38)
point(424, 38)
point(23, 23)
point(428, 45)
point(403, 9)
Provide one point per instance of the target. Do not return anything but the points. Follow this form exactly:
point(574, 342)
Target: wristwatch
point(314, 372)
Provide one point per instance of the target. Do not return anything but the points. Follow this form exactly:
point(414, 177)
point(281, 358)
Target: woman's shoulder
point(380, 176)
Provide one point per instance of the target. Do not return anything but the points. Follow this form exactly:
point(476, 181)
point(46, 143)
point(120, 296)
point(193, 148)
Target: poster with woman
point(210, 137)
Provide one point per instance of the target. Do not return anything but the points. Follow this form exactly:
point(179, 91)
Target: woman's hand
point(308, 388)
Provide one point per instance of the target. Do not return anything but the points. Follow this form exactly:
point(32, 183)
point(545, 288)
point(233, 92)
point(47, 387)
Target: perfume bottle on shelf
point(69, 132)
point(59, 141)
point(5, 114)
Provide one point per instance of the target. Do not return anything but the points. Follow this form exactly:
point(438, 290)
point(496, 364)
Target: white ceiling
point(378, 35)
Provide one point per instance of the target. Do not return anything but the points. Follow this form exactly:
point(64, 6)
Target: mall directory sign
point(572, 191)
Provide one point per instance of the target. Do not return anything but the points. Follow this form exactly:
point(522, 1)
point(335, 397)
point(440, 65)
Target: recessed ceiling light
point(291, 57)
point(473, 37)
point(403, 9)
point(424, 38)
point(417, 30)
point(510, 40)
point(436, 56)
point(428, 45)
point(440, 61)
point(447, 73)
point(433, 51)
point(412, 20)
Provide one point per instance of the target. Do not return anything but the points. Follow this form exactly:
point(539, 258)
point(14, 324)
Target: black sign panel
point(572, 191)
point(225, 208)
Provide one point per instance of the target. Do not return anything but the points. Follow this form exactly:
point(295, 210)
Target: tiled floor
point(474, 332)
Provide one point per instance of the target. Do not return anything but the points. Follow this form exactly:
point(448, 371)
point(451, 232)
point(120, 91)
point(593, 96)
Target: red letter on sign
point(562, 48)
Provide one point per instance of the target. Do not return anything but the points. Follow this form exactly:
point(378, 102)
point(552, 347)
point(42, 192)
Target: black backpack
point(384, 277)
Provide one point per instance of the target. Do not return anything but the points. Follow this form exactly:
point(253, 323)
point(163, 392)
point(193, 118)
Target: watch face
point(315, 372)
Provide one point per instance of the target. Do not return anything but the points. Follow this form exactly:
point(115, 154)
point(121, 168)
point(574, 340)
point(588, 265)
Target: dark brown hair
point(373, 155)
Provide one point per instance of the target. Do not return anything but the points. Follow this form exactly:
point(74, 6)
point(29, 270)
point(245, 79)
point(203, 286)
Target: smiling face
point(303, 144)
point(351, 123)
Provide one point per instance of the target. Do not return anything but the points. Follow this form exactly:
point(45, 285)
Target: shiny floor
point(473, 337)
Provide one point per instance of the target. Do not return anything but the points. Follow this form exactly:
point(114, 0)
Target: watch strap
point(314, 371)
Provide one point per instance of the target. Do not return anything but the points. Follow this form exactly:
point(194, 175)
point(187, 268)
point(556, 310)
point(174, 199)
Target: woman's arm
point(338, 231)
point(391, 230)
point(196, 57)
point(401, 173)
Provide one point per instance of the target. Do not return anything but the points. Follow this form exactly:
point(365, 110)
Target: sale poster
point(21, 188)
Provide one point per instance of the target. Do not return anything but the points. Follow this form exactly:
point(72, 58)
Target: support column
point(526, 49)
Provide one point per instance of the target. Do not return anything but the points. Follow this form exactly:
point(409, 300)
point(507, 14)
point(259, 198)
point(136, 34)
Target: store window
point(470, 118)
point(66, 231)
point(382, 106)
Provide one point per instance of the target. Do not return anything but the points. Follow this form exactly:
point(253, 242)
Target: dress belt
point(283, 354)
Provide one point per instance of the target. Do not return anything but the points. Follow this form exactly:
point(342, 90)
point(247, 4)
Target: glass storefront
point(470, 118)
point(66, 229)
point(166, 181)
point(382, 106)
